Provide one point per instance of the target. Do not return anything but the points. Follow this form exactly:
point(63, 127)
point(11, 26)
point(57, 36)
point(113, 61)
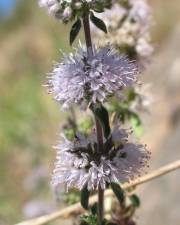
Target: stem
point(87, 34)
point(99, 131)
point(100, 191)
point(100, 205)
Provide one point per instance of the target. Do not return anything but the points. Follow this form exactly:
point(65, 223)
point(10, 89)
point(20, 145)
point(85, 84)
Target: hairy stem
point(99, 129)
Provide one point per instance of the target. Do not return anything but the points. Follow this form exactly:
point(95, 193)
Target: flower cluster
point(128, 28)
point(80, 164)
point(67, 10)
point(144, 99)
point(84, 79)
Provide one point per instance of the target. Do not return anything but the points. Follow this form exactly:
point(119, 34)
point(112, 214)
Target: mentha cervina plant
point(88, 78)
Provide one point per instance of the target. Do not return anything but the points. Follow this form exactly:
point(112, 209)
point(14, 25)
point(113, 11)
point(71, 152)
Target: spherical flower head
point(86, 79)
point(79, 163)
point(67, 10)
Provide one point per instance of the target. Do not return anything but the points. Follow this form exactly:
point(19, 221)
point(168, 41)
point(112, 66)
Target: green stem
point(99, 129)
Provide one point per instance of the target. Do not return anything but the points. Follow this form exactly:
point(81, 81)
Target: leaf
point(136, 123)
point(135, 117)
point(135, 200)
point(99, 10)
point(75, 30)
point(94, 208)
point(131, 95)
point(106, 222)
point(89, 219)
point(111, 223)
point(72, 198)
point(119, 193)
point(85, 197)
point(98, 22)
point(102, 114)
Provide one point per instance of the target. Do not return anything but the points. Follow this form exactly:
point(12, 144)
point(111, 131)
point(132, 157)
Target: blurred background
point(29, 43)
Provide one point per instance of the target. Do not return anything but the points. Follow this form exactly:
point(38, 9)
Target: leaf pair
point(76, 27)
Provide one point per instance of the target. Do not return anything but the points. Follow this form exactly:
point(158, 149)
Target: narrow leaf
point(119, 193)
point(85, 197)
point(75, 30)
point(89, 219)
point(94, 208)
point(98, 22)
point(135, 200)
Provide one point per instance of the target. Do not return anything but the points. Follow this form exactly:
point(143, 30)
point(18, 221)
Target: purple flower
point(67, 10)
point(83, 79)
point(79, 163)
point(128, 29)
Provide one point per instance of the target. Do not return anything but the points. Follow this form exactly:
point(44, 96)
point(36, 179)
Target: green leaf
point(85, 197)
point(119, 193)
point(131, 95)
point(111, 223)
point(135, 200)
point(98, 22)
point(94, 208)
point(72, 197)
point(136, 123)
point(106, 222)
point(89, 219)
point(102, 114)
point(75, 30)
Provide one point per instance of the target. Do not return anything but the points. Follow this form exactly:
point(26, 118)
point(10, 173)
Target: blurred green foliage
point(28, 116)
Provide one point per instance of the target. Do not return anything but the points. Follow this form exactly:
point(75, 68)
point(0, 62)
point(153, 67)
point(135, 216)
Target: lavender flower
point(67, 10)
point(141, 12)
point(84, 79)
point(79, 163)
point(128, 29)
point(143, 99)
